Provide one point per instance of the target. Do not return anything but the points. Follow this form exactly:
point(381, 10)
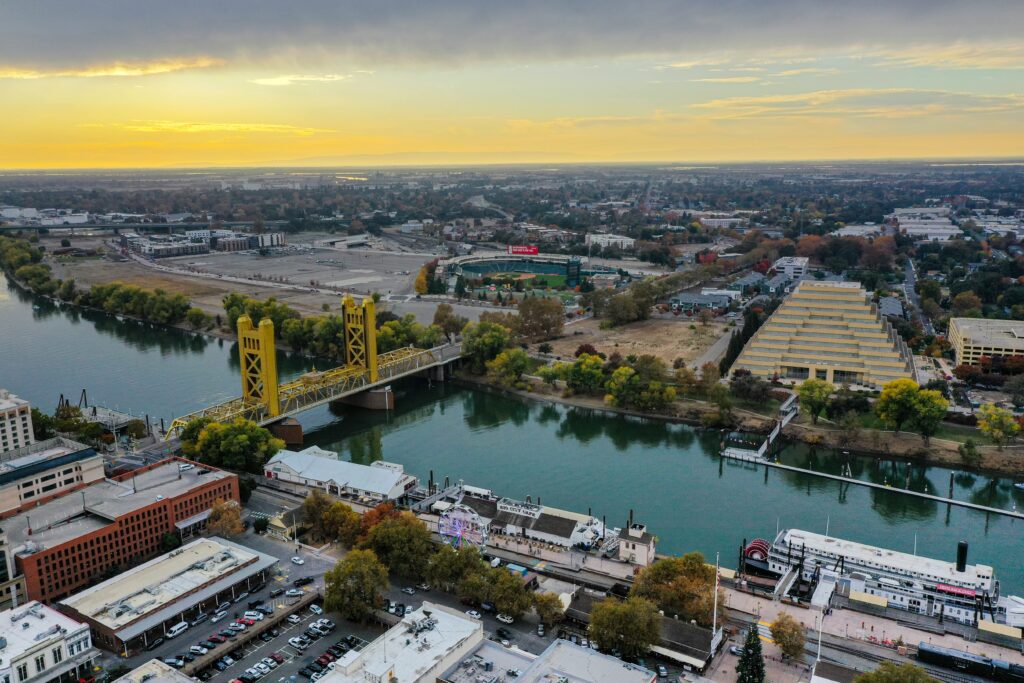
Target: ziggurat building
point(830, 331)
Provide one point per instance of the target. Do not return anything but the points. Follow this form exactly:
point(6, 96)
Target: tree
point(508, 593)
point(750, 668)
point(997, 424)
point(482, 342)
point(1014, 387)
point(446, 319)
point(898, 403)
point(225, 518)
point(420, 285)
point(930, 408)
point(629, 626)
point(170, 541)
point(586, 374)
point(507, 366)
point(65, 242)
point(549, 608)
point(545, 347)
point(240, 445)
point(342, 524)
point(136, 429)
point(622, 386)
point(969, 453)
point(682, 586)
point(967, 304)
point(353, 587)
point(314, 513)
point(788, 634)
point(751, 388)
point(814, 395)
point(375, 516)
point(541, 318)
point(448, 567)
point(260, 525)
point(198, 319)
point(43, 426)
point(402, 543)
point(890, 672)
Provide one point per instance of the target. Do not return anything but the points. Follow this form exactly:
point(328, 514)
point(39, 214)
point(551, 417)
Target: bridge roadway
point(317, 388)
point(752, 457)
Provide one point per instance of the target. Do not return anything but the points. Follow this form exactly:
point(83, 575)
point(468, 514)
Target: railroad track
point(937, 672)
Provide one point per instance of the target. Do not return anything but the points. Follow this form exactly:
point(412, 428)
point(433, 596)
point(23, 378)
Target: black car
point(311, 634)
point(303, 581)
point(274, 632)
point(207, 644)
point(276, 592)
point(253, 604)
point(265, 610)
point(238, 655)
point(155, 644)
point(315, 667)
point(246, 678)
point(266, 637)
point(188, 657)
point(227, 633)
point(351, 640)
point(219, 665)
point(503, 633)
point(306, 671)
point(337, 650)
point(204, 675)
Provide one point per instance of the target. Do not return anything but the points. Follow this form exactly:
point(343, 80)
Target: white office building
point(43, 645)
point(15, 422)
point(793, 267)
point(608, 240)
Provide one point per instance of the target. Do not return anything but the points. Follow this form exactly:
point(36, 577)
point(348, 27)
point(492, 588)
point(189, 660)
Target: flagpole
point(714, 613)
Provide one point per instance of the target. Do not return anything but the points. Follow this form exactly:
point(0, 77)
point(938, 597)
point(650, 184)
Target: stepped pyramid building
point(830, 331)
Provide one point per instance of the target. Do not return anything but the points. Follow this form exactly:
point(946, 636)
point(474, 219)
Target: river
point(568, 457)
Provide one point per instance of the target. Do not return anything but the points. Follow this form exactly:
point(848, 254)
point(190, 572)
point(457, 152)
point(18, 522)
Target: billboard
point(523, 250)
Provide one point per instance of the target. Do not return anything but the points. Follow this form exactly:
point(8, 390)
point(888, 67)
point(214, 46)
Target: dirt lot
point(667, 339)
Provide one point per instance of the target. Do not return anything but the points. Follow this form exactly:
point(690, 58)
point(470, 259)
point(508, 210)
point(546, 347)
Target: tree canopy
point(682, 586)
point(814, 395)
point(402, 543)
point(241, 445)
point(355, 584)
point(629, 626)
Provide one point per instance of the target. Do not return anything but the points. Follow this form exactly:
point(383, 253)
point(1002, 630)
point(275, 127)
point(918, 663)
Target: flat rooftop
point(9, 400)
point(26, 626)
point(39, 452)
point(911, 565)
point(149, 586)
point(503, 660)
point(154, 671)
point(407, 654)
point(563, 660)
point(991, 332)
point(94, 507)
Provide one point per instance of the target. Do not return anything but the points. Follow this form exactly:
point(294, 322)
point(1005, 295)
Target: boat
point(1019, 485)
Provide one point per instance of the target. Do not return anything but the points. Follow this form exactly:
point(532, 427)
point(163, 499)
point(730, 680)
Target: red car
point(276, 656)
point(216, 638)
point(323, 660)
point(243, 620)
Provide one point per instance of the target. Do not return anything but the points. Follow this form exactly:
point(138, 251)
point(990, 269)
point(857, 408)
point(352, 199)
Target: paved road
point(910, 290)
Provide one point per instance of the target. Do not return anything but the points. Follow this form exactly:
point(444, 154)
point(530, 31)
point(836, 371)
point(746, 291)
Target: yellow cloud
point(162, 66)
point(956, 56)
point(217, 127)
point(728, 79)
point(809, 70)
point(292, 79)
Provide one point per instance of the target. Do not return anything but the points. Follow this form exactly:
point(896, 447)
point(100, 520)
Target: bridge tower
point(258, 356)
point(361, 336)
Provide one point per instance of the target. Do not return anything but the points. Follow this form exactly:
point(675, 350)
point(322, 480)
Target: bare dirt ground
point(666, 339)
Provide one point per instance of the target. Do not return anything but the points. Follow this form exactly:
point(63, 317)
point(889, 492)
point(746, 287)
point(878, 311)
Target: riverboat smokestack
point(961, 556)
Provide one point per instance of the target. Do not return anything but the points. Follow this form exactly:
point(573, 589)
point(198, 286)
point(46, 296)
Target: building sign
point(517, 507)
point(955, 590)
point(523, 250)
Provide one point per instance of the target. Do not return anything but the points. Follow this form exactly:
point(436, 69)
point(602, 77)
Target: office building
point(41, 645)
point(793, 267)
point(830, 331)
point(15, 422)
point(72, 541)
point(418, 649)
point(130, 611)
point(607, 240)
point(34, 474)
point(975, 338)
point(314, 467)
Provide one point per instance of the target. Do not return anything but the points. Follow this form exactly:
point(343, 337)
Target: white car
point(254, 615)
point(261, 667)
point(237, 627)
point(297, 644)
point(505, 619)
point(269, 662)
point(198, 650)
point(315, 609)
point(294, 618)
point(298, 560)
point(473, 614)
point(295, 593)
point(217, 617)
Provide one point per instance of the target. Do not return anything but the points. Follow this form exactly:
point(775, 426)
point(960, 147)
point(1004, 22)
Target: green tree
point(622, 387)
point(353, 587)
point(314, 514)
point(554, 372)
point(402, 543)
point(170, 541)
point(890, 672)
point(508, 366)
point(788, 634)
point(198, 319)
point(446, 319)
point(190, 436)
point(1015, 388)
point(482, 342)
point(814, 395)
point(448, 567)
point(507, 592)
point(586, 374)
point(225, 518)
point(241, 445)
point(750, 668)
point(549, 608)
point(998, 424)
point(897, 404)
point(260, 525)
point(629, 626)
point(136, 429)
point(682, 586)
point(541, 318)
point(43, 426)
point(930, 408)
point(969, 453)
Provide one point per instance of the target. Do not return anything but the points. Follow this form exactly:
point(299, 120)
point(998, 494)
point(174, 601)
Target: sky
point(194, 83)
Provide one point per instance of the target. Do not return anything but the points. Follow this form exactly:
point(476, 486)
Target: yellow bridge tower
point(258, 355)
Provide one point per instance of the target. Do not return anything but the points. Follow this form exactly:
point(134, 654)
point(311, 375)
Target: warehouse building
point(130, 611)
point(69, 542)
point(314, 467)
point(41, 645)
point(975, 338)
point(831, 331)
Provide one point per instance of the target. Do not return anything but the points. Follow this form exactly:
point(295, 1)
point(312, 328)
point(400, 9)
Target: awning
point(678, 656)
point(193, 520)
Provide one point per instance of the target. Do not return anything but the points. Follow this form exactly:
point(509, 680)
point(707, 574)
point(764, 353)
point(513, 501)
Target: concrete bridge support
point(373, 399)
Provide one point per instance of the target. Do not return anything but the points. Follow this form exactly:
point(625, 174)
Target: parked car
point(262, 668)
point(487, 606)
point(219, 665)
point(409, 591)
point(155, 644)
point(295, 593)
point(224, 607)
point(305, 672)
point(266, 637)
point(473, 614)
point(326, 623)
point(188, 657)
point(241, 597)
point(269, 661)
point(217, 638)
point(227, 632)
point(276, 592)
point(254, 615)
point(540, 630)
point(277, 657)
point(736, 650)
point(264, 609)
point(237, 627)
point(297, 644)
point(298, 560)
point(207, 644)
point(662, 671)
point(409, 609)
point(423, 587)
point(315, 609)
point(218, 616)
point(315, 667)
point(227, 659)
point(303, 581)
point(505, 619)
point(198, 649)
point(175, 662)
point(294, 618)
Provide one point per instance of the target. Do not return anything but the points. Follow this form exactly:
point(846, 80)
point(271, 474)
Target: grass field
point(531, 279)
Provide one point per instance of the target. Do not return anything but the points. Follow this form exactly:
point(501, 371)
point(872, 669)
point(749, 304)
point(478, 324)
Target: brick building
point(73, 541)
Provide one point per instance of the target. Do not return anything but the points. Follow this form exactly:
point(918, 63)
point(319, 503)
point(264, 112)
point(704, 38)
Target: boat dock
point(750, 457)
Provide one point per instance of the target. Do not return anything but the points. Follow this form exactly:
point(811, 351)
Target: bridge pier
point(288, 430)
point(373, 399)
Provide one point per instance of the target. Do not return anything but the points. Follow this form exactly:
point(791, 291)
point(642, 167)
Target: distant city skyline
point(328, 82)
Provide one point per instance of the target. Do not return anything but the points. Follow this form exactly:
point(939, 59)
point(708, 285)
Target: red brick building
point(73, 541)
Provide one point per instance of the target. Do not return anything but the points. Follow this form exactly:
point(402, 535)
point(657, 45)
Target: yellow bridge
point(264, 400)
